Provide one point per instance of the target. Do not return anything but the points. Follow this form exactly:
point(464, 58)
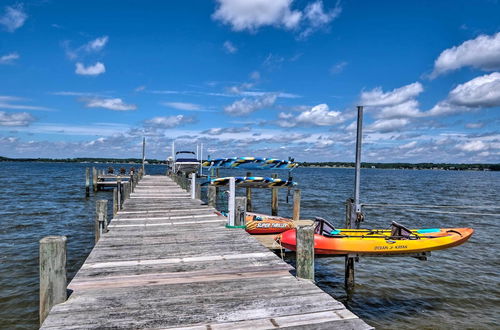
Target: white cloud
point(13, 18)
point(481, 53)
point(408, 145)
point(246, 106)
point(226, 130)
point(91, 70)
point(182, 106)
point(15, 119)
point(483, 91)
point(377, 98)
point(388, 125)
point(480, 92)
point(473, 146)
point(251, 15)
point(9, 102)
point(115, 104)
point(169, 121)
point(230, 47)
point(96, 45)
point(319, 115)
point(317, 18)
point(475, 125)
point(338, 67)
point(407, 109)
point(9, 58)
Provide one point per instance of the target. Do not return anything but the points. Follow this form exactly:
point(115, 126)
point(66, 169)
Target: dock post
point(240, 210)
point(87, 182)
point(249, 195)
point(119, 194)
point(231, 201)
point(115, 201)
point(197, 190)
point(94, 178)
point(274, 198)
point(53, 282)
point(349, 261)
point(193, 185)
point(143, 154)
point(212, 196)
point(296, 205)
point(100, 218)
point(217, 175)
point(305, 252)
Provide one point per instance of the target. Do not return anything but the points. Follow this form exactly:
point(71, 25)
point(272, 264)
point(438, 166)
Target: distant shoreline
point(396, 166)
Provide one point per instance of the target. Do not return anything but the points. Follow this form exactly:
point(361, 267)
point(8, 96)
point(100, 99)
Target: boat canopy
point(252, 182)
point(254, 163)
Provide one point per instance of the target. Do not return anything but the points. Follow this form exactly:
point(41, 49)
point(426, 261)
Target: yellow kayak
point(399, 239)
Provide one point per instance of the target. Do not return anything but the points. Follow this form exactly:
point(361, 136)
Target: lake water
point(455, 288)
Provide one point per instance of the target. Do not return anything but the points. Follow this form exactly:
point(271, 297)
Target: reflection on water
point(456, 288)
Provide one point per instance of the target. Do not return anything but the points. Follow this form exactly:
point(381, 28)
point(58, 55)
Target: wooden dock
point(169, 262)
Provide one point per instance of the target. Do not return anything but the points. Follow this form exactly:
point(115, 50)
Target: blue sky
point(251, 77)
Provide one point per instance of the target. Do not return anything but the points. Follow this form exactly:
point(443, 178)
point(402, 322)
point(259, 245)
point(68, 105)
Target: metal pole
point(231, 202)
point(201, 159)
point(143, 153)
point(357, 174)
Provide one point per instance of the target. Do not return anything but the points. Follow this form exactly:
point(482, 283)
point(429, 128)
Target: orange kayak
point(257, 223)
point(399, 239)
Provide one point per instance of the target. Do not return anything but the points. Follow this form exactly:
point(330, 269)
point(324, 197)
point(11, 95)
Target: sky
point(261, 78)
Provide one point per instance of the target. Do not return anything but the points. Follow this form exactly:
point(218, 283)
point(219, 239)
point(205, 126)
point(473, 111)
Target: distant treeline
point(418, 166)
point(83, 160)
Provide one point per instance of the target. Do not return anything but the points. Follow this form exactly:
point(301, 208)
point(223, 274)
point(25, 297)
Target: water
point(455, 288)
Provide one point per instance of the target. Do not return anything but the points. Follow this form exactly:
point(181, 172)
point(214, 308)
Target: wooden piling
point(94, 178)
point(87, 182)
point(115, 201)
point(349, 261)
point(212, 196)
point(240, 205)
point(101, 215)
point(192, 186)
point(296, 204)
point(305, 252)
point(53, 282)
point(249, 195)
point(197, 194)
point(119, 193)
point(274, 198)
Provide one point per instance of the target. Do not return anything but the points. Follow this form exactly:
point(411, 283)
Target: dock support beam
point(240, 211)
point(212, 196)
point(305, 252)
point(274, 198)
point(296, 205)
point(53, 282)
point(249, 195)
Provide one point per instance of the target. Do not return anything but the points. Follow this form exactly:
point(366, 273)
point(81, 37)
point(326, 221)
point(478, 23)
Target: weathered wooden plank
point(169, 262)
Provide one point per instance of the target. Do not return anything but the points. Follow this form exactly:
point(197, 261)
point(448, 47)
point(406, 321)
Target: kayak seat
point(398, 231)
point(324, 228)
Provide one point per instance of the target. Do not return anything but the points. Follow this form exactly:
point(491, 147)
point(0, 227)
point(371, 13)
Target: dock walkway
point(169, 262)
